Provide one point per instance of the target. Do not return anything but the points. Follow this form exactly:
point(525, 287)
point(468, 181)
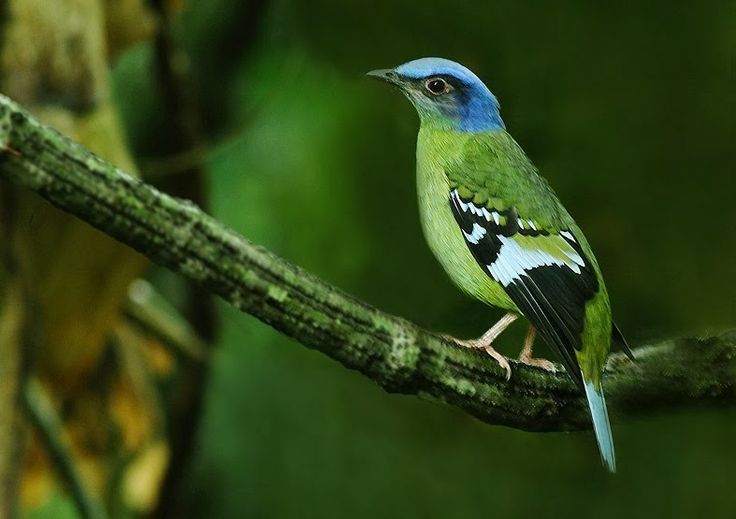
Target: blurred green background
point(629, 111)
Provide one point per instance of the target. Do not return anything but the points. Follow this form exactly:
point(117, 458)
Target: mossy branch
point(395, 353)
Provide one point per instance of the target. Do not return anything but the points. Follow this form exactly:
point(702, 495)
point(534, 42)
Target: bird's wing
point(618, 338)
point(542, 268)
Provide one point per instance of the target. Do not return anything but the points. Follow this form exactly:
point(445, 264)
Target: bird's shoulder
point(493, 170)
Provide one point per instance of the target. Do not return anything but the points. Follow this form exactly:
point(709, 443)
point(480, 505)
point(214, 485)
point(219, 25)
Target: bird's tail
point(601, 425)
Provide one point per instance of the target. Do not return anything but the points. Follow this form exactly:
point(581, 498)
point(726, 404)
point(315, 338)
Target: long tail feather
point(601, 425)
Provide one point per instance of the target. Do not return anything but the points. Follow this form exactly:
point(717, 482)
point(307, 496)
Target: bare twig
point(152, 313)
point(48, 424)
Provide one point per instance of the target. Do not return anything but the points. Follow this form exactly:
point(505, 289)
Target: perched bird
point(501, 233)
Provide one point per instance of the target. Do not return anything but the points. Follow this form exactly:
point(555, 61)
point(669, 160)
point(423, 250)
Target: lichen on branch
point(395, 353)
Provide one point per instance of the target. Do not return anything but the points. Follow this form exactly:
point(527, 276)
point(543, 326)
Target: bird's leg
point(495, 330)
point(485, 341)
point(526, 353)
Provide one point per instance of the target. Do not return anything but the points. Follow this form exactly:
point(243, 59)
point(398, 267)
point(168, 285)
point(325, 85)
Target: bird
point(501, 233)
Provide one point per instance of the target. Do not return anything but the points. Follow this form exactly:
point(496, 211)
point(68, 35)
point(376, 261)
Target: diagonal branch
point(395, 353)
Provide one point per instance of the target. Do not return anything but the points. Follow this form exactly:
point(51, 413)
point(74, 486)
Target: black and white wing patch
point(545, 274)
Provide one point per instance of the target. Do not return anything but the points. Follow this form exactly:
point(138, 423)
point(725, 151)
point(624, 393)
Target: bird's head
point(446, 94)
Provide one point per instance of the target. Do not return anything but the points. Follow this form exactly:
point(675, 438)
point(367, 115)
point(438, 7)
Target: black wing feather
point(618, 338)
point(560, 329)
point(552, 297)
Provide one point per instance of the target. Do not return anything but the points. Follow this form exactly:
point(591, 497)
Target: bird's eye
point(437, 86)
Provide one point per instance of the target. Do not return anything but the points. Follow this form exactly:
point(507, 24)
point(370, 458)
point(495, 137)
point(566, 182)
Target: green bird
point(502, 234)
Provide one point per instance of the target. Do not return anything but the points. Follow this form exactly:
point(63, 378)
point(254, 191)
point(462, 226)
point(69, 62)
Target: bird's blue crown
point(470, 106)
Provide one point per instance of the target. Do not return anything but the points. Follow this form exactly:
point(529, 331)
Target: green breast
point(435, 151)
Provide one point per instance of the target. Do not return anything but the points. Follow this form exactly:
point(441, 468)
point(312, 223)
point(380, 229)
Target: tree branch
point(395, 353)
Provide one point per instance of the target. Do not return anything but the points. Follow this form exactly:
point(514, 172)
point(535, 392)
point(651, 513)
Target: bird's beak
point(386, 74)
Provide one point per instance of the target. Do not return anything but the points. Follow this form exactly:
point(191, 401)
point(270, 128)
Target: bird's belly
point(448, 245)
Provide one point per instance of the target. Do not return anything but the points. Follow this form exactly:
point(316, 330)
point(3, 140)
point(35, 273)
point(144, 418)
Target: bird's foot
point(526, 356)
point(480, 344)
point(540, 363)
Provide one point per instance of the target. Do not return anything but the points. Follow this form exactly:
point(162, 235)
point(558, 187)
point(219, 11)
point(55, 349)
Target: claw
point(502, 361)
point(485, 342)
point(526, 353)
point(479, 344)
point(540, 363)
